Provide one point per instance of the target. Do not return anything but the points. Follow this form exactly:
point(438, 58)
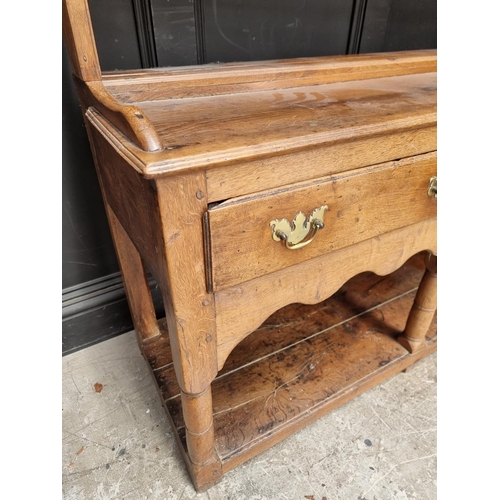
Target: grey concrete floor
point(118, 443)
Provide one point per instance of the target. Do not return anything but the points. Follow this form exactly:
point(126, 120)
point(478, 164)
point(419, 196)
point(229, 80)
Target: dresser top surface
point(223, 115)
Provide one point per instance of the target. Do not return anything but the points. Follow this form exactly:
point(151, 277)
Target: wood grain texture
point(319, 278)
point(157, 351)
point(408, 136)
point(280, 432)
point(264, 141)
point(224, 130)
point(179, 134)
point(79, 36)
point(225, 114)
point(190, 308)
point(159, 356)
point(228, 78)
point(362, 204)
point(199, 427)
point(362, 292)
point(135, 281)
point(279, 389)
point(132, 199)
point(230, 181)
point(423, 309)
point(129, 120)
point(220, 130)
point(308, 361)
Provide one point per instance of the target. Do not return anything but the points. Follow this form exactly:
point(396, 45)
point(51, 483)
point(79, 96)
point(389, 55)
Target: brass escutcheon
point(301, 231)
point(433, 187)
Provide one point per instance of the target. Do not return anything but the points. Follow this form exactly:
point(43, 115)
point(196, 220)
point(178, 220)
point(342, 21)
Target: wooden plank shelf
point(303, 362)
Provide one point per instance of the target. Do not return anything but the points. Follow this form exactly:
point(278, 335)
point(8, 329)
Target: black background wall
point(133, 34)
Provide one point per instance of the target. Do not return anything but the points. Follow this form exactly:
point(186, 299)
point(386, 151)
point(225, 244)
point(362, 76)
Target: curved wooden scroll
point(79, 36)
point(130, 120)
point(243, 308)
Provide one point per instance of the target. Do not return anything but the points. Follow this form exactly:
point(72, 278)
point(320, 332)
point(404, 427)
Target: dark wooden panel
point(375, 24)
point(88, 251)
point(247, 30)
point(175, 32)
point(391, 25)
point(94, 326)
point(115, 34)
point(412, 25)
point(145, 33)
point(356, 29)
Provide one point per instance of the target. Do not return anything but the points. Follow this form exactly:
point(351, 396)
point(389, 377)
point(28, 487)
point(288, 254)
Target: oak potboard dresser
point(246, 188)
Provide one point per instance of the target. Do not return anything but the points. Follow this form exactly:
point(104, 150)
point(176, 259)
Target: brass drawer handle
point(301, 231)
point(433, 187)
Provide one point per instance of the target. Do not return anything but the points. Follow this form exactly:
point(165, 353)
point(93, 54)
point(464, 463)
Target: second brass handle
point(301, 231)
point(432, 190)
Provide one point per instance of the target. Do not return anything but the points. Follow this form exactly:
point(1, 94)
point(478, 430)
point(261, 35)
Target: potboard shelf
point(303, 362)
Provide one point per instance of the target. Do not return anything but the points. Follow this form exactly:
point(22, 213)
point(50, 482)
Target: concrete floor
point(118, 443)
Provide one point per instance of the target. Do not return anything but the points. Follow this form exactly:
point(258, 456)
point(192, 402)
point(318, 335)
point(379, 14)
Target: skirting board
point(97, 310)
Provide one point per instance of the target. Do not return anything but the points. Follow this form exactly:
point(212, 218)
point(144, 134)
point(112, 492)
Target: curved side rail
point(128, 119)
point(80, 41)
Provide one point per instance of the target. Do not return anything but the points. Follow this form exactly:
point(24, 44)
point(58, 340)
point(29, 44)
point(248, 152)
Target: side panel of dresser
point(160, 217)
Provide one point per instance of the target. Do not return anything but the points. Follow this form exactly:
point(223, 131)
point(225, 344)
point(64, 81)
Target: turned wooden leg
point(203, 463)
point(197, 411)
point(135, 281)
point(423, 310)
point(190, 310)
point(205, 467)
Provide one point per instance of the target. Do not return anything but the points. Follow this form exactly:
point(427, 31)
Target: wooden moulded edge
point(222, 78)
point(151, 164)
point(128, 128)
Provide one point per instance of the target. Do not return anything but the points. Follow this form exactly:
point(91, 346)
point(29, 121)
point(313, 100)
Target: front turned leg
point(423, 310)
point(197, 411)
point(204, 465)
point(194, 362)
point(190, 310)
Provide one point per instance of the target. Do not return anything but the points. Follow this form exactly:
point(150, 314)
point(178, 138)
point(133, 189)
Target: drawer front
point(362, 204)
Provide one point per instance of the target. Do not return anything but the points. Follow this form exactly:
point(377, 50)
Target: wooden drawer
point(362, 204)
